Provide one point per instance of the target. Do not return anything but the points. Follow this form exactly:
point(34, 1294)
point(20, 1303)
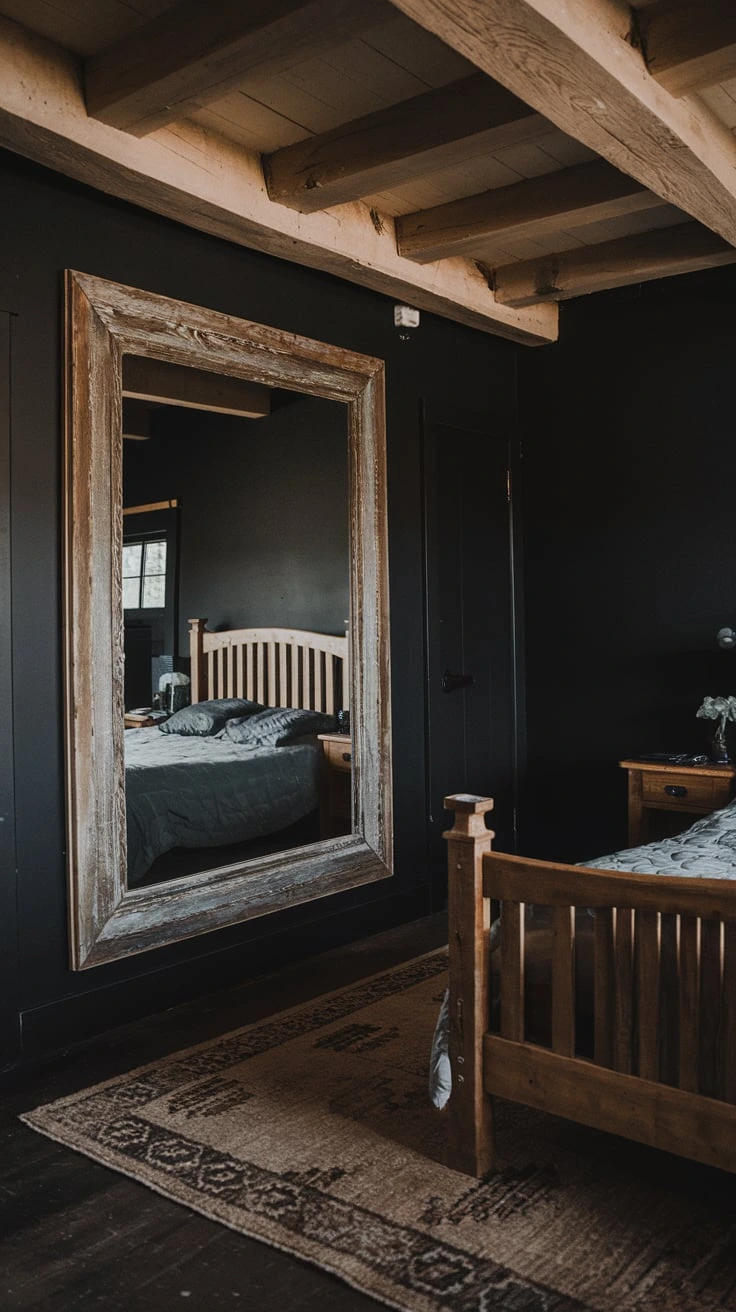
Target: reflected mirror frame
point(103, 322)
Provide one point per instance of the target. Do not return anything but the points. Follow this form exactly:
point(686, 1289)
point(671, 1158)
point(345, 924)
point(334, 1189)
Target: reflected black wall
point(48, 224)
point(630, 548)
point(263, 512)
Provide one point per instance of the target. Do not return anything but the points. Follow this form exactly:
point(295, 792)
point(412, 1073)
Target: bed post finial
point(470, 1108)
point(196, 653)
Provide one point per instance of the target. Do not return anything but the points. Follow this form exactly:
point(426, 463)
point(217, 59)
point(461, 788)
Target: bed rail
point(662, 1067)
point(276, 666)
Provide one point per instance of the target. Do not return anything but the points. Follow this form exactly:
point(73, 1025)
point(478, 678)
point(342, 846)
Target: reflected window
point(144, 574)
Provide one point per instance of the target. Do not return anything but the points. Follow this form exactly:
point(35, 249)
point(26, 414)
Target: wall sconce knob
point(726, 638)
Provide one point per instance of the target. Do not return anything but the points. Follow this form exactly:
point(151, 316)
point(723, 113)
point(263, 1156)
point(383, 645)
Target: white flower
point(717, 708)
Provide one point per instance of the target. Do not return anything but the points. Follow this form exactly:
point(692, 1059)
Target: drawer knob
point(675, 790)
point(347, 756)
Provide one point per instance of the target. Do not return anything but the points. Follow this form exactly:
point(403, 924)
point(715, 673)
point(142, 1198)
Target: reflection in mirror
point(237, 736)
point(224, 442)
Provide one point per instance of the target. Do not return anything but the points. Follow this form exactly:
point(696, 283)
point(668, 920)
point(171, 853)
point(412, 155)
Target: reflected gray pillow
point(277, 726)
point(206, 718)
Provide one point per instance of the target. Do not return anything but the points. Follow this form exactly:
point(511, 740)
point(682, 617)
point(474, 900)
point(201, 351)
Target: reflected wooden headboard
point(278, 667)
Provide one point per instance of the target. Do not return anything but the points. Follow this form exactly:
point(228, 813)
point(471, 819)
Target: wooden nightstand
point(335, 780)
point(683, 791)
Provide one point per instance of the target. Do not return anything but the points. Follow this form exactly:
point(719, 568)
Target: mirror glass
point(227, 665)
point(235, 512)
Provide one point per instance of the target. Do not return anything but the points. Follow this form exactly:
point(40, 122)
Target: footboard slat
point(647, 980)
point(669, 1058)
point(603, 983)
point(563, 981)
point(624, 976)
point(512, 970)
point(689, 1000)
point(729, 1013)
point(711, 969)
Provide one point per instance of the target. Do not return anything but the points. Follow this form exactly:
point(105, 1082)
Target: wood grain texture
point(190, 55)
point(604, 989)
point(671, 1119)
point(729, 1013)
point(647, 993)
point(392, 146)
point(195, 177)
point(470, 1110)
point(268, 653)
point(623, 976)
point(550, 883)
point(664, 253)
point(689, 1003)
point(107, 921)
point(648, 974)
point(578, 65)
point(710, 1009)
point(587, 193)
point(688, 47)
point(511, 948)
point(563, 981)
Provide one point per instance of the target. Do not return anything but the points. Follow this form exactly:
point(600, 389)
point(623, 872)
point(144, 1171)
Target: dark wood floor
point(75, 1236)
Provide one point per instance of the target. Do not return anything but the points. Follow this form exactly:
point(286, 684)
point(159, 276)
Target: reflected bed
point(185, 791)
point(206, 779)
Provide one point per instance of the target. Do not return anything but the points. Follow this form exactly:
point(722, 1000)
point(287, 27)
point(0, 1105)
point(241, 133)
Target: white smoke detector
point(405, 316)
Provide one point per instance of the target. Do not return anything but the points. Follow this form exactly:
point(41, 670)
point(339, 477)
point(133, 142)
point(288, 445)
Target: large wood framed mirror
point(291, 675)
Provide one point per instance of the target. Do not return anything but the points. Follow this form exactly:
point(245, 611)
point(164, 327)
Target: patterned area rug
point(313, 1132)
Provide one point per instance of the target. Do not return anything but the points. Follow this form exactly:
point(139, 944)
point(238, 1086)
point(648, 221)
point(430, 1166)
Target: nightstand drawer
point(338, 754)
point(689, 793)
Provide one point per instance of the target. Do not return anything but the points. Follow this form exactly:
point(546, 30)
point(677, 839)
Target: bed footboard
point(661, 1068)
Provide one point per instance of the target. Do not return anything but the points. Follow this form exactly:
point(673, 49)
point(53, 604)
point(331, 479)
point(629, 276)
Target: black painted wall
point(630, 549)
point(263, 512)
point(47, 224)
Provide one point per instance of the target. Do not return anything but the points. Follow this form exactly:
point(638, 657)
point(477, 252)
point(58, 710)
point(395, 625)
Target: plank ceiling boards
point(420, 149)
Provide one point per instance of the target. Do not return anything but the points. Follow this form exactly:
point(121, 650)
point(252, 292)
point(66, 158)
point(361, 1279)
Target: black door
point(471, 643)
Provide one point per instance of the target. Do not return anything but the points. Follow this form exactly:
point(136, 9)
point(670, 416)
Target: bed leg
point(470, 1108)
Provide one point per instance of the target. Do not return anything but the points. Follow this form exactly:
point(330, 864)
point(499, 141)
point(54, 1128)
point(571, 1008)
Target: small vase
point(719, 747)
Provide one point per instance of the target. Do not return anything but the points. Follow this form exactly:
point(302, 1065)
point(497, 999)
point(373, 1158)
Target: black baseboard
point(58, 1025)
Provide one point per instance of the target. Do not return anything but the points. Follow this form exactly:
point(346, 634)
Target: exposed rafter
point(197, 178)
point(688, 46)
point(395, 145)
point(194, 389)
point(588, 193)
point(195, 53)
point(578, 66)
point(684, 248)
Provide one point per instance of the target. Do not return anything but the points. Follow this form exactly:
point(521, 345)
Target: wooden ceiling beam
point(195, 389)
point(579, 66)
point(195, 177)
point(689, 46)
point(392, 146)
point(662, 253)
point(196, 53)
point(587, 193)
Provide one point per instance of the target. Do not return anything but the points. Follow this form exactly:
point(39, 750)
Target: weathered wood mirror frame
point(107, 920)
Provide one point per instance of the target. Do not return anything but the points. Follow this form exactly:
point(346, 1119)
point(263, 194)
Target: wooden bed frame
point(278, 667)
point(663, 1070)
